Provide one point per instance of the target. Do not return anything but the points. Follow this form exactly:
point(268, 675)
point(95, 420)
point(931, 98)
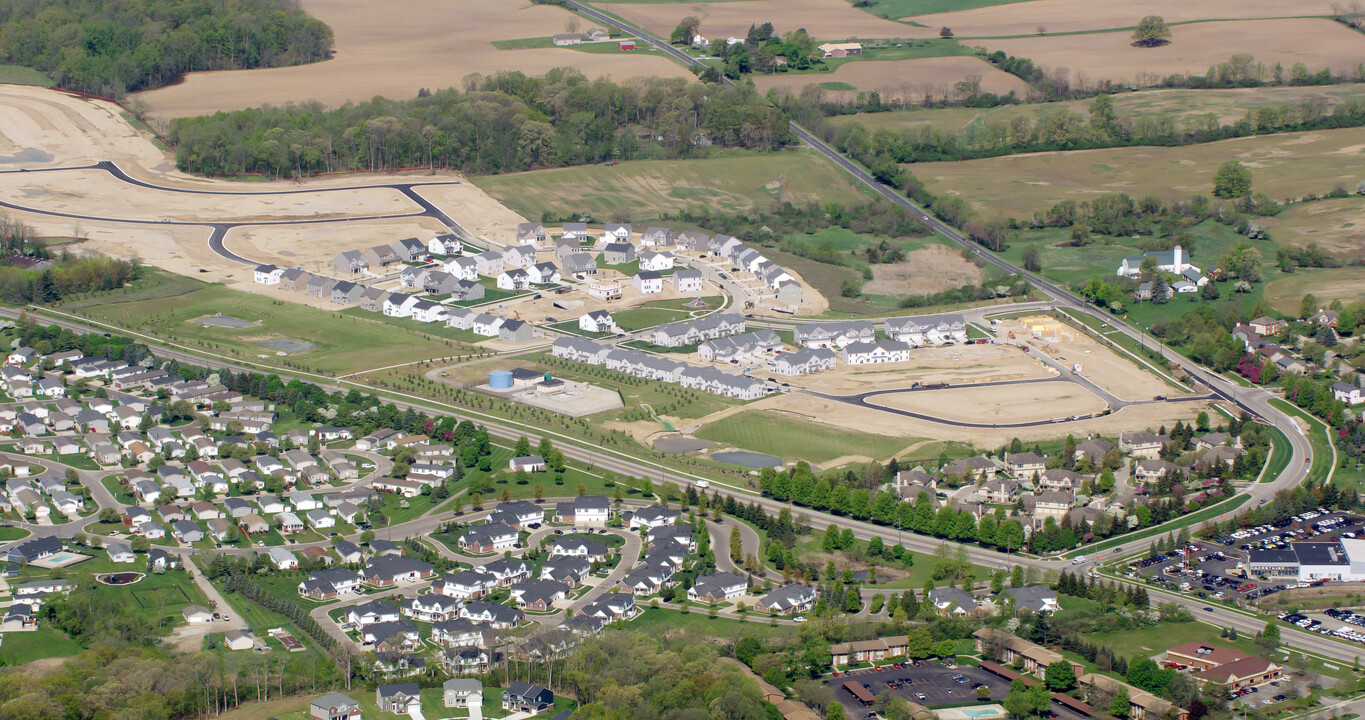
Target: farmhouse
point(1170, 261)
point(840, 50)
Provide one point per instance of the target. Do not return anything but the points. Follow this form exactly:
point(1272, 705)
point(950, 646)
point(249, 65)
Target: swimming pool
point(979, 712)
point(63, 558)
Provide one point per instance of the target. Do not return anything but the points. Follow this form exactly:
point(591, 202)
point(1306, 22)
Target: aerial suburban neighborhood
point(812, 360)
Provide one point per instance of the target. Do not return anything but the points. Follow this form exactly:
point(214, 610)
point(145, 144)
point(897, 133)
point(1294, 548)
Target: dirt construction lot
point(42, 128)
point(1317, 43)
point(909, 80)
point(1024, 18)
point(958, 365)
point(823, 19)
point(856, 418)
point(1118, 375)
point(1026, 402)
point(394, 48)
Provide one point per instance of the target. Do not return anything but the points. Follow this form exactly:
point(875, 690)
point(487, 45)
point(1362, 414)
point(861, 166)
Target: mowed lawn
point(794, 439)
point(25, 647)
point(646, 189)
point(340, 344)
point(1289, 165)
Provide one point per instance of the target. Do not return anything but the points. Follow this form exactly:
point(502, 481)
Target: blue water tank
point(500, 379)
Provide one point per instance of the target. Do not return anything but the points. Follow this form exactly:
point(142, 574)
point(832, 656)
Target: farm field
point(648, 188)
point(1179, 105)
point(338, 344)
point(1070, 16)
point(1316, 42)
point(1283, 166)
point(823, 19)
point(1337, 225)
point(1344, 284)
point(797, 439)
point(911, 80)
point(375, 45)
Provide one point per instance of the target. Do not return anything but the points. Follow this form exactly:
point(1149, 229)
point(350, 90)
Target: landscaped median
point(1199, 516)
point(1324, 454)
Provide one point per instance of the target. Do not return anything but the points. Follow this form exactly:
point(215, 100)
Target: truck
point(1076, 369)
point(1079, 559)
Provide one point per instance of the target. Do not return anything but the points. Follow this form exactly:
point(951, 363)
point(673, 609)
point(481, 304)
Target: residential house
point(717, 587)
point(687, 280)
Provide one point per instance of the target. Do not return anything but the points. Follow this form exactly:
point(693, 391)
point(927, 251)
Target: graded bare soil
point(1315, 42)
point(1120, 376)
point(1057, 16)
point(960, 365)
point(1027, 402)
point(924, 271)
point(909, 80)
point(394, 48)
point(41, 128)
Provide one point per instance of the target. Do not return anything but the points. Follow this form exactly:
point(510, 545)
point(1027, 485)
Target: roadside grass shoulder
point(1324, 454)
point(793, 439)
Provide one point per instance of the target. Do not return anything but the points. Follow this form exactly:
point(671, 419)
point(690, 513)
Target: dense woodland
point(500, 123)
point(112, 47)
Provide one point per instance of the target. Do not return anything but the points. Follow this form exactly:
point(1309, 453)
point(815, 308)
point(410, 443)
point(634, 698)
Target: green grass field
point(726, 182)
point(647, 317)
point(8, 533)
point(795, 439)
point(1179, 105)
point(165, 306)
point(696, 624)
point(1288, 165)
point(19, 648)
point(20, 75)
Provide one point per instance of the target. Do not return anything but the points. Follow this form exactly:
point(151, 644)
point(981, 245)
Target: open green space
point(1154, 640)
point(648, 317)
point(19, 648)
point(889, 572)
point(725, 182)
point(9, 532)
point(1286, 165)
point(697, 624)
point(340, 344)
point(902, 50)
point(794, 439)
point(524, 43)
point(571, 327)
point(20, 75)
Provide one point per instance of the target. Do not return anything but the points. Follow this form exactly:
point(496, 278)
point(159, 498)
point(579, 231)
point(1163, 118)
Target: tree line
point(113, 47)
point(499, 123)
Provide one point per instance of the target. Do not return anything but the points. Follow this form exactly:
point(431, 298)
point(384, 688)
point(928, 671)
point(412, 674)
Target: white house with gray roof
point(927, 330)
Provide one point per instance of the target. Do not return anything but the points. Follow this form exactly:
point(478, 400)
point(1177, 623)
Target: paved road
point(219, 229)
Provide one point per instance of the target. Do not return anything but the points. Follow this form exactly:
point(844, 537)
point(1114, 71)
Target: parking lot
point(1210, 568)
point(929, 684)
